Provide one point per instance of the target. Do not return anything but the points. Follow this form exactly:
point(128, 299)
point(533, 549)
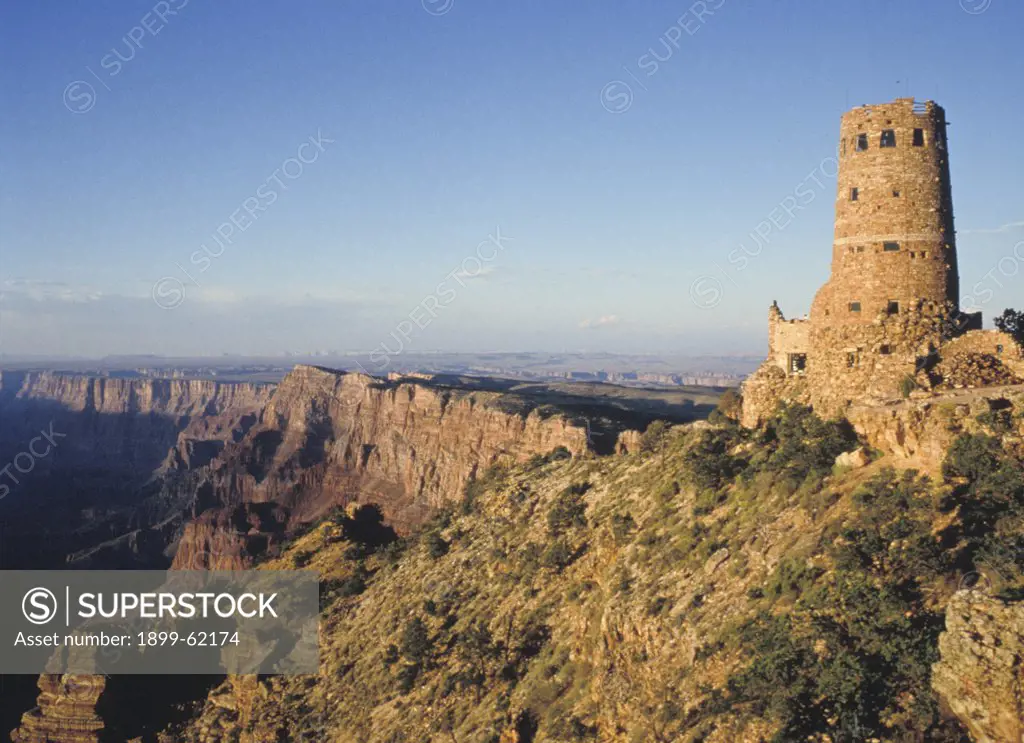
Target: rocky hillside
point(230, 487)
point(717, 586)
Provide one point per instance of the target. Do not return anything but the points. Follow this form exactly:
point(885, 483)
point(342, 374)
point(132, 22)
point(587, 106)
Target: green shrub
point(999, 422)
point(569, 509)
point(416, 643)
point(1011, 322)
point(436, 544)
point(559, 454)
point(802, 446)
point(355, 584)
point(557, 556)
point(708, 462)
point(623, 527)
point(653, 437)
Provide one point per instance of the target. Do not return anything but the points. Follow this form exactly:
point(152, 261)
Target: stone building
point(879, 326)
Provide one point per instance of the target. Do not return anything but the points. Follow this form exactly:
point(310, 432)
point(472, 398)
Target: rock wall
point(981, 671)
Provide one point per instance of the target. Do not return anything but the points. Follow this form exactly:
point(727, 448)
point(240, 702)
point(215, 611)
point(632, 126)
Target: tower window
point(862, 142)
point(854, 194)
point(888, 138)
point(854, 306)
point(919, 138)
point(851, 359)
point(885, 350)
point(895, 193)
point(797, 363)
point(893, 307)
point(890, 247)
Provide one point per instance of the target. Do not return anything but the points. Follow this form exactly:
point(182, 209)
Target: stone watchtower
point(894, 244)
point(891, 297)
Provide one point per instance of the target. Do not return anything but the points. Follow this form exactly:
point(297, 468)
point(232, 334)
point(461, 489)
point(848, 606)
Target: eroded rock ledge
point(981, 673)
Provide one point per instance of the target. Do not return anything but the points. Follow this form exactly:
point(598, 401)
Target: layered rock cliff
point(123, 424)
point(329, 438)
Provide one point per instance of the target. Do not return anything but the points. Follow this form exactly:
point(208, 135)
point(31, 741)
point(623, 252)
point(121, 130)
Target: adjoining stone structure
point(883, 318)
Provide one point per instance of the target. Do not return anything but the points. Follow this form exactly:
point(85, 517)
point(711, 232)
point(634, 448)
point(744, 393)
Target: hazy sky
point(478, 174)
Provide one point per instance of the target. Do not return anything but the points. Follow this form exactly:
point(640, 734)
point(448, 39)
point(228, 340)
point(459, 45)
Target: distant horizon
point(12, 357)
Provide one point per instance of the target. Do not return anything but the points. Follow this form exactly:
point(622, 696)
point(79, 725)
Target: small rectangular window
point(895, 193)
point(890, 247)
point(797, 363)
point(884, 350)
point(999, 349)
point(862, 142)
point(919, 138)
point(854, 306)
point(851, 360)
point(888, 138)
point(893, 308)
point(854, 193)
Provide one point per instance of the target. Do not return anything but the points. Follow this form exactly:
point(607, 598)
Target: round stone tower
point(880, 325)
point(891, 298)
point(894, 248)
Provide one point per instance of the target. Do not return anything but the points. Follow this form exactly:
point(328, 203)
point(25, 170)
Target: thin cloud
point(602, 322)
point(482, 273)
point(1001, 229)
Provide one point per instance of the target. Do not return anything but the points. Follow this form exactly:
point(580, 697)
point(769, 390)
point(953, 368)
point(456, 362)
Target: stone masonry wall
point(786, 337)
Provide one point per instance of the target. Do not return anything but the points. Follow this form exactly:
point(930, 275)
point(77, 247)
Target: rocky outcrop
point(230, 538)
point(981, 671)
point(920, 430)
point(66, 711)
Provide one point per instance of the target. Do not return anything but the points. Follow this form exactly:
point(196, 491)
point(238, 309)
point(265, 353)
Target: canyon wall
point(120, 424)
point(329, 438)
point(80, 453)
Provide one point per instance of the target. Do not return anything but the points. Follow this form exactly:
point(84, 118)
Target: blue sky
point(404, 134)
